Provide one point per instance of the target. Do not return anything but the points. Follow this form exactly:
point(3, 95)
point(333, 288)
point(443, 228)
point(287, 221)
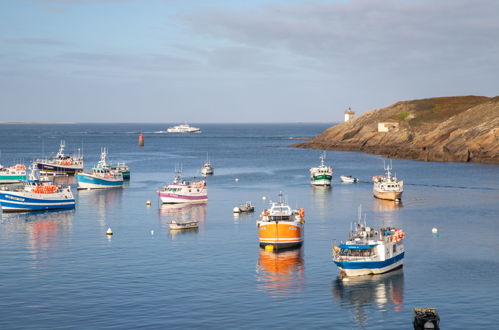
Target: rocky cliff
point(461, 129)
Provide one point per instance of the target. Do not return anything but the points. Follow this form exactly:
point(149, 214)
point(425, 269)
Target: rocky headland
point(457, 129)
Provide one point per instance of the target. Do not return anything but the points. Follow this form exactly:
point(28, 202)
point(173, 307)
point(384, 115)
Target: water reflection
point(44, 231)
point(181, 213)
point(382, 205)
point(280, 273)
point(321, 196)
point(104, 201)
point(386, 291)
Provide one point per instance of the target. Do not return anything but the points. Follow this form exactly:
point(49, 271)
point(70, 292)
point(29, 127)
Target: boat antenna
point(359, 213)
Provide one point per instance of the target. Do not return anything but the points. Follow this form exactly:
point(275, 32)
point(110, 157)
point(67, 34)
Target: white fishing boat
point(348, 179)
point(322, 175)
point(388, 187)
point(38, 194)
point(61, 163)
point(370, 251)
point(244, 208)
point(281, 226)
point(183, 191)
point(183, 128)
point(101, 177)
point(174, 225)
point(12, 174)
point(207, 168)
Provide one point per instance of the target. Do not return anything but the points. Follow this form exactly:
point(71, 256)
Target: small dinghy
point(348, 179)
point(184, 225)
point(244, 208)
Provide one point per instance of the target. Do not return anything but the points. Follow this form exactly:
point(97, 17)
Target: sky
point(227, 61)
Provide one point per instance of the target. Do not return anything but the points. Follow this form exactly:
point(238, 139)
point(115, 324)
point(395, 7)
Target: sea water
point(60, 270)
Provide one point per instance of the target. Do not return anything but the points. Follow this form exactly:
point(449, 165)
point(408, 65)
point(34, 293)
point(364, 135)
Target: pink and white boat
point(184, 191)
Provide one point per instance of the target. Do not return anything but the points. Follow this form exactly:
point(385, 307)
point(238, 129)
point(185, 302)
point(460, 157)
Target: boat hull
point(12, 178)
point(358, 268)
point(88, 181)
point(28, 202)
point(280, 234)
point(321, 180)
point(58, 169)
point(167, 198)
point(388, 195)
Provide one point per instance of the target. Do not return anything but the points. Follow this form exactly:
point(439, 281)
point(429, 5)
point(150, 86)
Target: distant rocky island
point(455, 129)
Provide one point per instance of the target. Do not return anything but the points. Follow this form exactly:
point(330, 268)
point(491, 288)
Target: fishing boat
point(388, 187)
point(61, 163)
point(183, 191)
point(38, 194)
point(121, 168)
point(348, 179)
point(174, 225)
point(321, 176)
point(101, 177)
point(12, 174)
point(183, 128)
point(369, 251)
point(280, 226)
point(207, 168)
point(244, 208)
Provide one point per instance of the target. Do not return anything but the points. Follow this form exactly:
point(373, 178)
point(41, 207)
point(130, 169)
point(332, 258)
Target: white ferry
point(38, 194)
point(183, 191)
point(321, 176)
point(369, 251)
point(388, 187)
point(183, 128)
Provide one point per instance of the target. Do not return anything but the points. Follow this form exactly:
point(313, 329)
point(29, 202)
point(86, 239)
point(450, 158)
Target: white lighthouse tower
point(349, 114)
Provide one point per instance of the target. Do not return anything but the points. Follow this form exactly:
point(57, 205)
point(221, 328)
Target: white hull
point(388, 195)
point(321, 182)
point(171, 200)
point(85, 185)
point(368, 271)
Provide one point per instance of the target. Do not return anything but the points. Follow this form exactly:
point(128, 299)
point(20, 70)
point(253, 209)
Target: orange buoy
point(141, 140)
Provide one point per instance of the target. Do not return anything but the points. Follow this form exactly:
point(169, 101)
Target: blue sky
point(238, 61)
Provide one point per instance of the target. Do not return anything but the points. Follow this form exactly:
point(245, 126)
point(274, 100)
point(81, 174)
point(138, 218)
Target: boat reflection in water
point(280, 273)
point(184, 212)
point(381, 205)
point(321, 197)
point(103, 201)
point(44, 231)
point(385, 291)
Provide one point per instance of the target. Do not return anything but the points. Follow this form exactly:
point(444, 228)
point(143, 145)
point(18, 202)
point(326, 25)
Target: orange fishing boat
point(280, 226)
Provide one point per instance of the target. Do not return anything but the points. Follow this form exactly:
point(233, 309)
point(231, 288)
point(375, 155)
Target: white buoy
point(148, 203)
point(109, 231)
point(237, 179)
point(236, 210)
point(152, 232)
point(434, 230)
point(264, 197)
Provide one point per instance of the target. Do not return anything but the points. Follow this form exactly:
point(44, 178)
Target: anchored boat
point(38, 194)
point(280, 226)
point(388, 187)
point(369, 251)
point(207, 168)
point(183, 128)
point(174, 225)
point(321, 176)
point(61, 163)
point(183, 191)
point(348, 179)
point(13, 174)
point(101, 177)
point(244, 208)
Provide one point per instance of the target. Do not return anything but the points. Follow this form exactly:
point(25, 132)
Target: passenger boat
point(207, 168)
point(280, 226)
point(183, 191)
point(244, 208)
point(38, 194)
point(102, 176)
point(13, 174)
point(321, 176)
point(369, 251)
point(388, 187)
point(183, 225)
point(183, 128)
point(61, 163)
point(348, 179)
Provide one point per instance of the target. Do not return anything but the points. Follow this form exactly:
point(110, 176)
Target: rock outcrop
point(458, 129)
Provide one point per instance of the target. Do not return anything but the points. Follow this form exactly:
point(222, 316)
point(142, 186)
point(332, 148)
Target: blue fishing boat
point(369, 251)
point(37, 194)
point(102, 176)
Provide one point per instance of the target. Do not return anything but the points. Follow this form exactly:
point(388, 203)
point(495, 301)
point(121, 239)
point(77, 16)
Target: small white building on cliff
point(349, 114)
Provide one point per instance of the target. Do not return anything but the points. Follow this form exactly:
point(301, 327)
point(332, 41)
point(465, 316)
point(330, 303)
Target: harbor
point(63, 263)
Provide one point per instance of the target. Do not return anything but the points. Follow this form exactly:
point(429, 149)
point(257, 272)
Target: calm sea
point(58, 270)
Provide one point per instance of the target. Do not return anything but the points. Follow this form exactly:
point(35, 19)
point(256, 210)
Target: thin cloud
point(36, 41)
